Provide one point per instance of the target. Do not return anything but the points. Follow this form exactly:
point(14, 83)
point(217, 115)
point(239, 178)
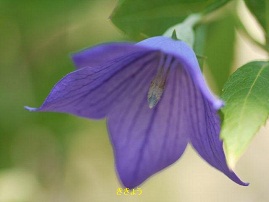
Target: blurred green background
point(54, 157)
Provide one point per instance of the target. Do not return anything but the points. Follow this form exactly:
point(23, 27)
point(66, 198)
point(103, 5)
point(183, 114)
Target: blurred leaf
point(200, 43)
point(246, 94)
point(219, 49)
point(260, 9)
point(151, 18)
point(32, 45)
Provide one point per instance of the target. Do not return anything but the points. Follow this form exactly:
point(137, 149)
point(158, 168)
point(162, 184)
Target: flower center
point(157, 85)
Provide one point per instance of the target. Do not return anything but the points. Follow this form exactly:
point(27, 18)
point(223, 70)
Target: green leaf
point(219, 49)
point(260, 9)
point(200, 43)
point(246, 95)
point(152, 17)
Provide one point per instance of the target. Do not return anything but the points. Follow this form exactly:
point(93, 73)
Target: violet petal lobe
point(202, 105)
point(92, 92)
point(204, 137)
point(147, 140)
point(104, 53)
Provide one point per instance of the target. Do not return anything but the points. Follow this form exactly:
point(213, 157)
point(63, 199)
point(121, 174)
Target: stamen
point(155, 91)
point(157, 85)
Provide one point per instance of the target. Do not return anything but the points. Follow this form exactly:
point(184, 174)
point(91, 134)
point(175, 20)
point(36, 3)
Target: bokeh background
point(50, 157)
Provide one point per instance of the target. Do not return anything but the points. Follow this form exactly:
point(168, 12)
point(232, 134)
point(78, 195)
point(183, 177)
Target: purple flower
point(155, 100)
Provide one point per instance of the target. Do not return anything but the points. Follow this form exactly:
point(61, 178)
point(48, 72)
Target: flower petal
point(104, 53)
point(93, 91)
point(205, 125)
point(187, 57)
point(147, 140)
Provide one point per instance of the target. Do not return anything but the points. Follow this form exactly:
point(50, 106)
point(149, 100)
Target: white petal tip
point(218, 104)
point(31, 109)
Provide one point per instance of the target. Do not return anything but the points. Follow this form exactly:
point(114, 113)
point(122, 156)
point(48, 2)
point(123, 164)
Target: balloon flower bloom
point(155, 100)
